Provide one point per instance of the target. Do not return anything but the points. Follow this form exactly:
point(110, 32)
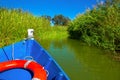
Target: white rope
point(27, 63)
point(28, 58)
point(47, 72)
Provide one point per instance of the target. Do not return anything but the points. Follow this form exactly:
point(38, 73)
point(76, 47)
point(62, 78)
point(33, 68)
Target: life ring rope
point(39, 73)
point(27, 63)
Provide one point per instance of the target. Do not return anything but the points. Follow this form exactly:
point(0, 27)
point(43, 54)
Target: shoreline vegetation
point(99, 27)
point(14, 24)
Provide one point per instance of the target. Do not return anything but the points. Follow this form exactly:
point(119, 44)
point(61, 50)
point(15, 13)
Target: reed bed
point(14, 24)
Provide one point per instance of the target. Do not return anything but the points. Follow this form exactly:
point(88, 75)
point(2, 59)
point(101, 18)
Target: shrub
point(99, 26)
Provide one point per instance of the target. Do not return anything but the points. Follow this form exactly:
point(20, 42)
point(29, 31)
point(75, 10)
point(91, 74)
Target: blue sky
point(69, 8)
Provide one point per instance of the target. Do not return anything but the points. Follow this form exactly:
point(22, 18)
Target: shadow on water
point(82, 62)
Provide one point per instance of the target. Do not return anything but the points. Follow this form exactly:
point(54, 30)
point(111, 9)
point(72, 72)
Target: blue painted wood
point(30, 49)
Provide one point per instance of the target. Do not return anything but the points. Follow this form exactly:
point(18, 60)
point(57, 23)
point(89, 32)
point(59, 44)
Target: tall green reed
point(14, 24)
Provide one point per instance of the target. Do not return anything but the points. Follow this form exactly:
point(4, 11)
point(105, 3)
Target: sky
point(68, 8)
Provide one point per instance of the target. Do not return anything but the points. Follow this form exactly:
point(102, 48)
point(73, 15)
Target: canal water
point(83, 62)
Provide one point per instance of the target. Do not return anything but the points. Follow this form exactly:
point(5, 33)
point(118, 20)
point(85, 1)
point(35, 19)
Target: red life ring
point(37, 69)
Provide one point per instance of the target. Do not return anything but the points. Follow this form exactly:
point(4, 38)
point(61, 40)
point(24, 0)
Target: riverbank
point(14, 24)
point(99, 26)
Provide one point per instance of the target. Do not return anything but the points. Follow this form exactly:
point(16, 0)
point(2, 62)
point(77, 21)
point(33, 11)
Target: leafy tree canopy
point(60, 20)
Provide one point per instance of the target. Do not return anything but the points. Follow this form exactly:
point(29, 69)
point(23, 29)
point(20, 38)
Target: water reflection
point(82, 62)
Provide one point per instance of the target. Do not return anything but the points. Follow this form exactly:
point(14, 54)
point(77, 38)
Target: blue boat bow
point(30, 49)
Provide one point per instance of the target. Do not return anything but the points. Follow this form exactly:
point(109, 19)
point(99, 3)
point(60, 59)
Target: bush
point(99, 26)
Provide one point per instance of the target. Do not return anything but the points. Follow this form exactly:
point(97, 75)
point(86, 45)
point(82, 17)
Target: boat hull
point(30, 50)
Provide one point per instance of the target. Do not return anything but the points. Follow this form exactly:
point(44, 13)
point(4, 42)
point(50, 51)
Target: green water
point(83, 62)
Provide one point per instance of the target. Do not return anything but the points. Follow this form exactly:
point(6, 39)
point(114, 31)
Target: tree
point(46, 17)
point(99, 26)
point(60, 20)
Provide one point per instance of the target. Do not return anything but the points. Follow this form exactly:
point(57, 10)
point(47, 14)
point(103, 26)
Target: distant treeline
point(99, 26)
point(59, 19)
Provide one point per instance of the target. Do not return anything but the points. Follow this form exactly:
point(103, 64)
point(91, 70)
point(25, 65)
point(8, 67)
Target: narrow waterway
point(82, 62)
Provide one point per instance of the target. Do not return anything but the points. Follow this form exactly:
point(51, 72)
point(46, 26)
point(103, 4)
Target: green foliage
point(60, 20)
point(47, 17)
point(14, 24)
point(99, 26)
point(54, 33)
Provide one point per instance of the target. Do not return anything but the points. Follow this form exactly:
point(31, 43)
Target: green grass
point(54, 33)
point(14, 25)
